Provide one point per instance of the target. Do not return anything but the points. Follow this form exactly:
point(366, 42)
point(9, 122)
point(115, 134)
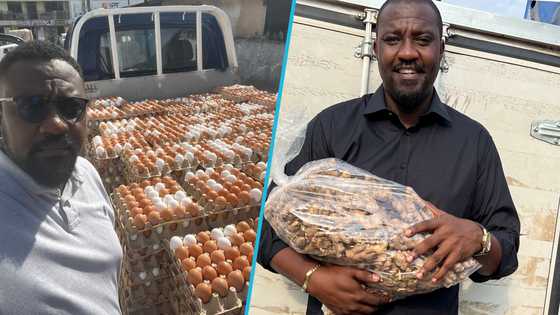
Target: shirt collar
point(28, 183)
point(376, 104)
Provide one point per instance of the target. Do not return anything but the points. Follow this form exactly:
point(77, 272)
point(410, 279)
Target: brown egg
point(209, 273)
point(250, 235)
point(243, 226)
point(232, 199)
point(188, 264)
point(240, 263)
point(235, 279)
point(194, 276)
point(140, 221)
point(163, 192)
point(231, 253)
point(136, 211)
point(224, 268)
point(217, 256)
point(247, 273)
point(209, 246)
point(220, 286)
point(129, 198)
point(220, 202)
point(182, 252)
point(203, 237)
point(154, 218)
point(246, 187)
point(237, 239)
point(212, 195)
point(149, 209)
point(203, 291)
point(223, 193)
point(235, 190)
point(166, 214)
point(145, 183)
point(195, 250)
point(180, 212)
point(203, 260)
point(246, 249)
point(244, 198)
point(132, 204)
point(144, 202)
point(193, 210)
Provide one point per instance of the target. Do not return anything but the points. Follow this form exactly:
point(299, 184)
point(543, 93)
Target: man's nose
point(407, 51)
point(53, 124)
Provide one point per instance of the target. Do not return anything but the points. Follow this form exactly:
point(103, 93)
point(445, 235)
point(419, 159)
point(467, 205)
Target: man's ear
point(442, 50)
point(375, 47)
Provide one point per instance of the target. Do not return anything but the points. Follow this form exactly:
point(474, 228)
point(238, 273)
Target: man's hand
point(341, 290)
point(453, 240)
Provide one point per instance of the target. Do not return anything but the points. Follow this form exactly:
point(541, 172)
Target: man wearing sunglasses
point(59, 253)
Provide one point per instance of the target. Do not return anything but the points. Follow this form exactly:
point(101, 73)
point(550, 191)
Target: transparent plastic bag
point(343, 215)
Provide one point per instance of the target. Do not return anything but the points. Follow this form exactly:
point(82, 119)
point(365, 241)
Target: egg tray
point(148, 241)
point(229, 305)
point(157, 297)
point(131, 174)
point(145, 269)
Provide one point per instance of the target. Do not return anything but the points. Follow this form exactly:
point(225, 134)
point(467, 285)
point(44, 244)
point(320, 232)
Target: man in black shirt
point(403, 132)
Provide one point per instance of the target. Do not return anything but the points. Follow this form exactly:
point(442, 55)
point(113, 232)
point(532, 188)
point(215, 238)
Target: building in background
point(47, 19)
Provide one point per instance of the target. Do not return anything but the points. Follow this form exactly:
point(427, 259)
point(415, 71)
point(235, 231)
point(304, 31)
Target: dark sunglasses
point(35, 109)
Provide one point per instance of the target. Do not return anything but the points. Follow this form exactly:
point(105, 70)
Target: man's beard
point(409, 102)
point(51, 171)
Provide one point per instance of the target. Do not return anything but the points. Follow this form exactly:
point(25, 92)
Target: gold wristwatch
point(308, 276)
point(486, 242)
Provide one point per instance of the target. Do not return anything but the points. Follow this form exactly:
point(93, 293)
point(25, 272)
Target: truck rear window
point(136, 47)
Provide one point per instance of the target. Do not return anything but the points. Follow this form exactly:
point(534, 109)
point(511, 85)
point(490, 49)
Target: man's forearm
point(292, 265)
point(491, 261)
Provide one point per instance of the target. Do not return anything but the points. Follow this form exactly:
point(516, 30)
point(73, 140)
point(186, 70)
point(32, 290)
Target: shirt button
point(403, 166)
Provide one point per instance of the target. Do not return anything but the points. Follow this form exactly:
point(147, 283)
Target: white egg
point(189, 176)
point(133, 158)
point(97, 140)
point(223, 243)
point(217, 233)
point(189, 157)
point(209, 171)
point(160, 206)
point(168, 198)
point(159, 186)
point(185, 202)
point(153, 195)
point(225, 173)
point(229, 230)
point(149, 189)
point(255, 195)
point(179, 159)
point(160, 164)
point(189, 239)
point(175, 242)
point(228, 167)
point(231, 178)
point(100, 152)
point(180, 195)
point(200, 173)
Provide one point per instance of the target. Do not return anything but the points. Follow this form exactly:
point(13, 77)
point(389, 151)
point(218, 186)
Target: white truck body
point(504, 73)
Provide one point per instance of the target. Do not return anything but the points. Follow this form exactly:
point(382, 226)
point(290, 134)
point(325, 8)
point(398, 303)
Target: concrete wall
point(260, 62)
point(247, 16)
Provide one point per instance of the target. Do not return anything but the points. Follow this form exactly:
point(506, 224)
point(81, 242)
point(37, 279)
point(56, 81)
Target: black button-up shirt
point(449, 160)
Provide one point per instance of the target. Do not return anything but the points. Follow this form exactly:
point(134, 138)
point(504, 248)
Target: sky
point(513, 8)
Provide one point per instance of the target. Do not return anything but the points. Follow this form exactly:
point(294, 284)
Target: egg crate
point(140, 244)
point(253, 171)
point(145, 269)
point(265, 99)
point(110, 170)
point(231, 304)
point(156, 297)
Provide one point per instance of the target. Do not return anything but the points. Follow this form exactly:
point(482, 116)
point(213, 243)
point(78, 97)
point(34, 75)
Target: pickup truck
point(503, 72)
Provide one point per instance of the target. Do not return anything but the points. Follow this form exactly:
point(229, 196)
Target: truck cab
point(154, 52)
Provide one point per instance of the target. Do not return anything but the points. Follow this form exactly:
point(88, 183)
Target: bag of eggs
point(340, 214)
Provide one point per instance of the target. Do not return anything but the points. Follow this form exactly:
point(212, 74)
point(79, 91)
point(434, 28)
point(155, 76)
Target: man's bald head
point(429, 3)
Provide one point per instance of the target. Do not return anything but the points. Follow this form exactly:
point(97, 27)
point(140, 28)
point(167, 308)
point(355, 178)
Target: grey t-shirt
point(58, 254)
